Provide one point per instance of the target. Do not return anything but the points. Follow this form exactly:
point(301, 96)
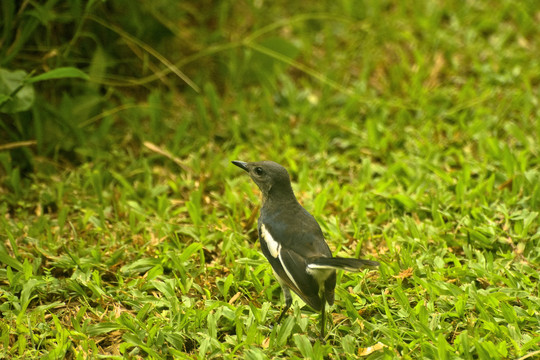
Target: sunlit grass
point(425, 157)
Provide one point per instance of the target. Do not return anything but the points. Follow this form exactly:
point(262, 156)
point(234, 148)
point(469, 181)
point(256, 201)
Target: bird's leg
point(288, 303)
point(323, 320)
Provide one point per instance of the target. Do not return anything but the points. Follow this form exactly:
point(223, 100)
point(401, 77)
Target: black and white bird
point(293, 242)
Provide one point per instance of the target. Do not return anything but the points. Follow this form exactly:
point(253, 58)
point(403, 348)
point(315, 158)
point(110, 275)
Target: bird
point(293, 242)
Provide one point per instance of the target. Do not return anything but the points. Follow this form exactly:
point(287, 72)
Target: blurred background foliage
point(147, 62)
point(132, 53)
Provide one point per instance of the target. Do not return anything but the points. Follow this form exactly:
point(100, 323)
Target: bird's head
point(270, 177)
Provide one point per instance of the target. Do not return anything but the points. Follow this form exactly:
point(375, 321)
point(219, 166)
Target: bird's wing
point(288, 253)
point(297, 230)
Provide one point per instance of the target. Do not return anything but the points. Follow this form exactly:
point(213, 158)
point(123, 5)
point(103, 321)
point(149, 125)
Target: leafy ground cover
point(410, 130)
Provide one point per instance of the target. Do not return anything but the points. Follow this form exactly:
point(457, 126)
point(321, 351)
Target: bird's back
point(296, 229)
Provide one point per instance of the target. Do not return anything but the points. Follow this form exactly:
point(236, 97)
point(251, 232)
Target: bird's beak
point(240, 164)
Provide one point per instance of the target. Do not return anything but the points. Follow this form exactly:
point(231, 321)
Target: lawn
point(410, 130)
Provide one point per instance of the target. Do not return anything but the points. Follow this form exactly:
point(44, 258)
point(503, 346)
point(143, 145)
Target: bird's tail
point(337, 263)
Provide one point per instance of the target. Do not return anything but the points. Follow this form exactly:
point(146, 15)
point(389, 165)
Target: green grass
point(410, 131)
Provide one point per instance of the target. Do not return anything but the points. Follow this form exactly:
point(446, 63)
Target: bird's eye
point(259, 171)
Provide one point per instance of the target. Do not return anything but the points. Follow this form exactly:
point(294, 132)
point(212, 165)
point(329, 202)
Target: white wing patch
point(271, 244)
point(275, 250)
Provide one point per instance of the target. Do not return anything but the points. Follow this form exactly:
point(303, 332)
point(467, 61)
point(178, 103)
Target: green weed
point(410, 131)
